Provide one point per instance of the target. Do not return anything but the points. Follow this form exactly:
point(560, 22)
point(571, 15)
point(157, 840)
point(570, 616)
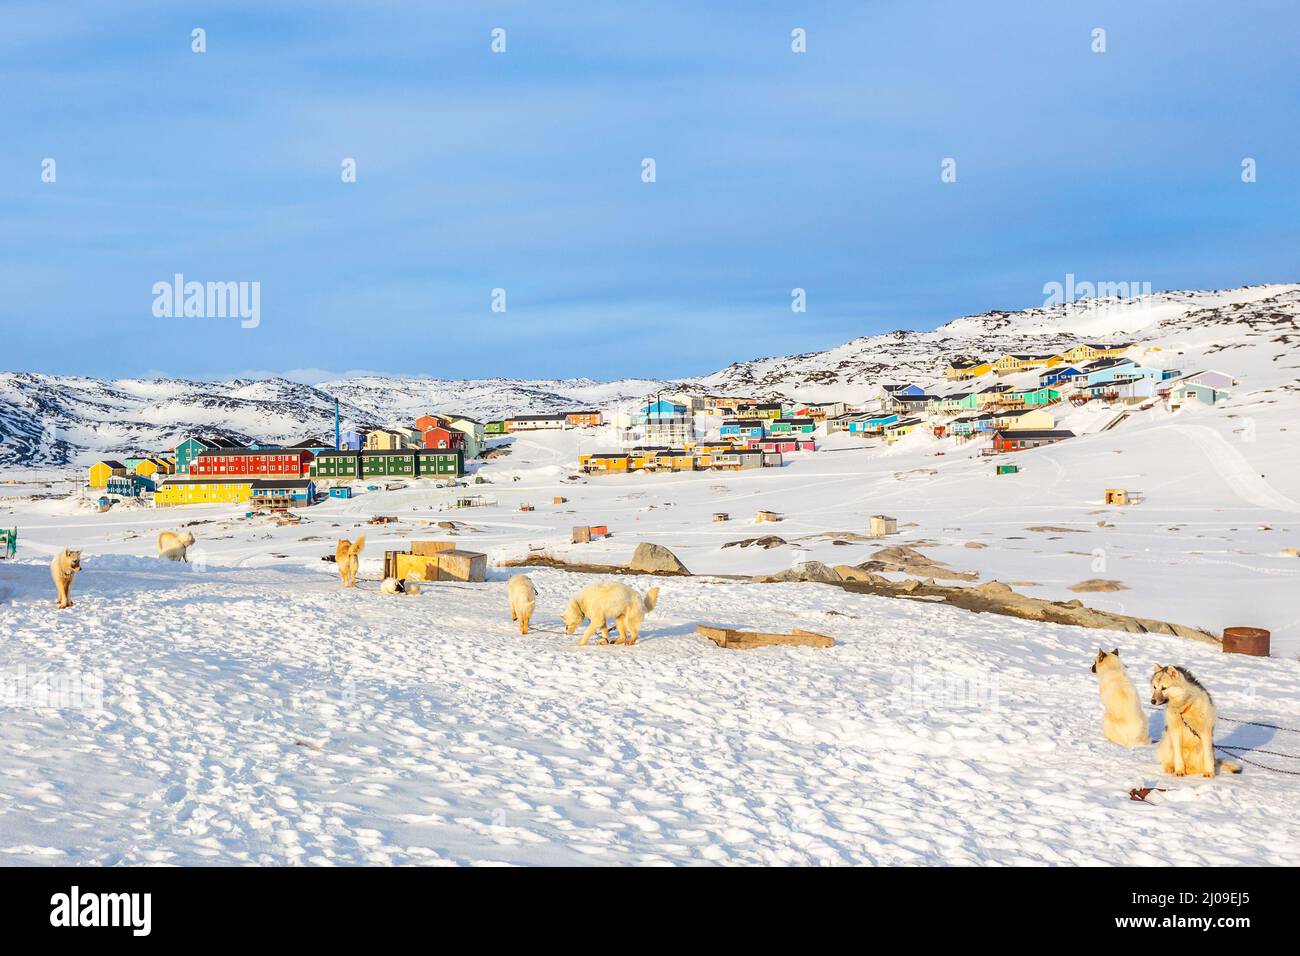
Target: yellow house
point(1087, 351)
point(960, 369)
point(905, 427)
point(202, 491)
point(166, 466)
point(605, 464)
point(148, 467)
point(101, 471)
point(1020, 361)
point(1022, 418)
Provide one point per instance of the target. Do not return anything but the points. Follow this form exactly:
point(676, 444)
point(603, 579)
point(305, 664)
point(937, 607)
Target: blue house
point(353, 441)
point(662, 410)
point(297, 490)
point(128, 486)
point(862, 426)
point(1062, 373)
point(741, 428)
point(1108, 370)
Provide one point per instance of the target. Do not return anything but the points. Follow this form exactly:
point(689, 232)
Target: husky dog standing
point(1188, 743)
point(1124, 721)
point(63, 569)
point(523, 598)
point(347, 555)
point(599, 602)
point(173, 546)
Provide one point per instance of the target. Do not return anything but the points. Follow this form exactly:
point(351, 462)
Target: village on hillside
point(1012, 402)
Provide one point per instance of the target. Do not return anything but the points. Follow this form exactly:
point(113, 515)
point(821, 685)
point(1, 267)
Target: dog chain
point(1237, 751)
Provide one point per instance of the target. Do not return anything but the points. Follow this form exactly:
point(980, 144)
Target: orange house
point(582, 419)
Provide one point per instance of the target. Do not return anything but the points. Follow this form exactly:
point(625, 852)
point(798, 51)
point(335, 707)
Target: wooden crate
point(416, 567)
point(462, 566)
point(430, 548)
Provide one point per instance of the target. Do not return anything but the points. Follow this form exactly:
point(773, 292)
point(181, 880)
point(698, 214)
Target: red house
point(1019, 440)
point(425, 422)
point(256, 462)
point(439, 437)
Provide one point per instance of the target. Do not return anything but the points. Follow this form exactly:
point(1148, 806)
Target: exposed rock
point(813, 571)
point(1099, 584)
point(656, 559)
point(908, 560)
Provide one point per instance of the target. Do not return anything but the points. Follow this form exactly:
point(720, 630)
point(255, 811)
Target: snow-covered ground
point(245, 709)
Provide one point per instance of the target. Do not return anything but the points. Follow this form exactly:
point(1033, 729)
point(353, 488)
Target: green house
point(1037, 396)
point(394, 462)
point(336, 464)
point(495, 428)
point(439, 462)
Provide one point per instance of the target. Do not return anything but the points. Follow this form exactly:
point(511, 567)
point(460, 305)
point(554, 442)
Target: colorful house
point(1090, 351)
point(605, 463)
point(791, 426)
point(872, 424)
point(961, 369)
point(251, 462)
point(389, 439)
point(742, 428)
point(582, 419)
point(436, 436)
point(353, 440)
point(298, 491)
point(412, 463)
point(1020, 361)
point(1185, 392)
point(1019, 419)
point(1036, 396)
point(1024, 439)
point(495, 428)
point(202, 491)
point(968, 425)
point(128, 486)
point(336, 464)
point(782, 444)
point(191, 448)
point(769, 411)
point(101, 471)
point(903, 427)
point(531, 423)
point(1061, 373)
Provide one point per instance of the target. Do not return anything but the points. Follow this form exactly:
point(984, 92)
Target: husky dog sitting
point(1124, 721)
point(1188, 743)
point(599, 602)
point(173, 546)
point(63, 569)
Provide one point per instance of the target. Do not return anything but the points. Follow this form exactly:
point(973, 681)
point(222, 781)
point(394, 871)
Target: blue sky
point(522, 171)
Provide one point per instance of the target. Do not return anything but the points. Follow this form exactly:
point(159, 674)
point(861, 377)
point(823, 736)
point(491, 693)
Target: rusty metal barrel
point(1246, 640)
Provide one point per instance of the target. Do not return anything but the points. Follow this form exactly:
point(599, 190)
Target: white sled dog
point(347, 555)
point(599, 602)
point(173, 546)
point(63, 569)
point(523, 598)
point(1188, 743)
point(1124, 721)
point(398, 586)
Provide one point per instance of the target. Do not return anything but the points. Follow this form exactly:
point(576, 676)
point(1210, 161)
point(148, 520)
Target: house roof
point(536, 418)
point(111, 462)
point(260, 483)
point(182, 480)
point(250, 451)
point(1035, 433)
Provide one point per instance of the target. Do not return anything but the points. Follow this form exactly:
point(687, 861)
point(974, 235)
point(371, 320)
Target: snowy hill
point(48, 420)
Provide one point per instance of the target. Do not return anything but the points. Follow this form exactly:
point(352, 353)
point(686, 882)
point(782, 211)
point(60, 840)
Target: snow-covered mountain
point(50, 420)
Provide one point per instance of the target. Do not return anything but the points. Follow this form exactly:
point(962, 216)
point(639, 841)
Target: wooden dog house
point(882, 525)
